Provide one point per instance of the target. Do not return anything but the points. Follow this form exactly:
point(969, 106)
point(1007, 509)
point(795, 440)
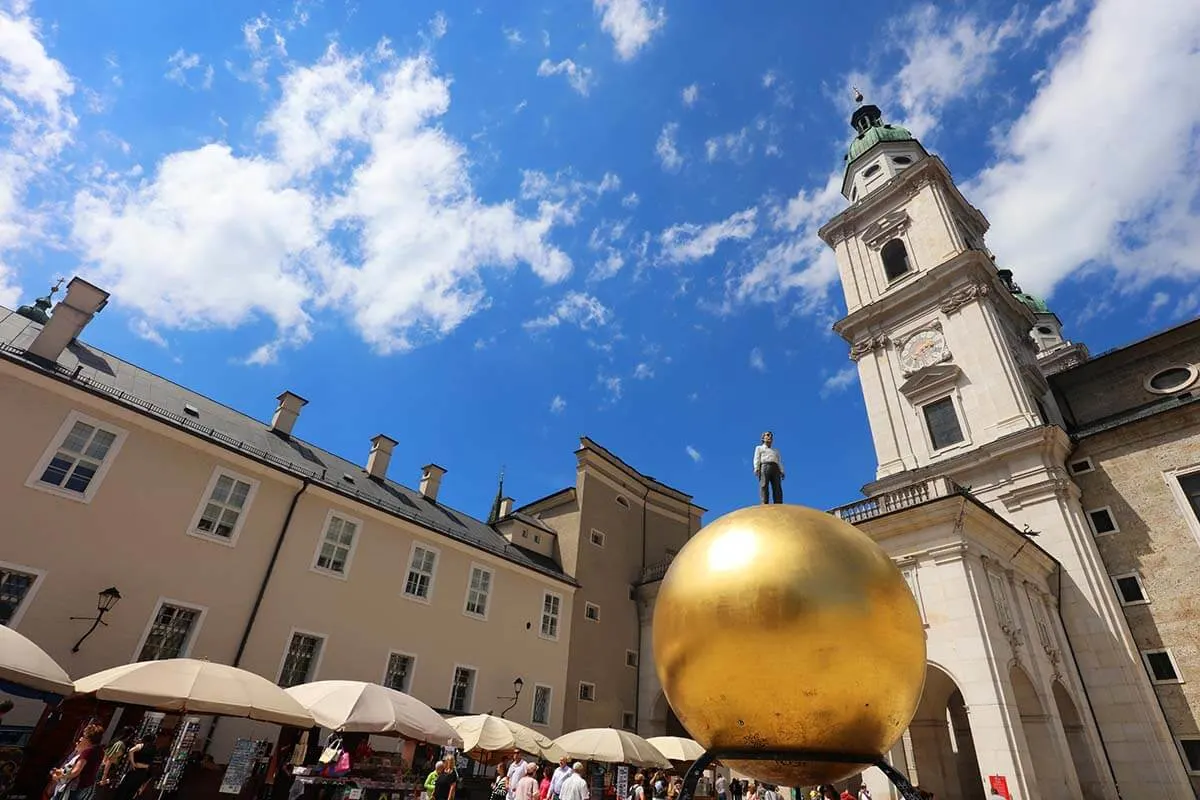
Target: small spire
point(858, 96)
point(494, 516)
point(39, 312)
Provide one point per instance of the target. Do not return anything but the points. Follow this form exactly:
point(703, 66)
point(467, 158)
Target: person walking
point(563, 772)
point(575, 786)
point(140, 759)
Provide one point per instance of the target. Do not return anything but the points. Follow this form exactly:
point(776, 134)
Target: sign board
point(622, 782)
point(999, 785)
point(181, 751)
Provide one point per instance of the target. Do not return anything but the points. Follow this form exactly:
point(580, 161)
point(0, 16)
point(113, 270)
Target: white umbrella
point(677, 748)
point(358, 707)
point(185, 685)
point(486, 732)
point(612, 746)
point(25, 665)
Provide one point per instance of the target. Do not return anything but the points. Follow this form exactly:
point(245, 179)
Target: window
point(301, 659)
point(1038, 607)
point(551, 609)
point(1190, 484)
point(1130, 590)
point(622, 502)
point(75, 464)
point(1191, 754)
point(1102, 521)
point(597, 538)
point(1082, 466)
point(1162, 666)
point(462, 690)
point(478, 590)
point(1000, 599)
point(895, 259)
point(222, 511)
point(871, 171)
point(1172, 379)
point(171, 632)
point(421, 566)
point(591, 611)
point(631, 658)
point(628, 722)
point(398, 674)
point(901, 160)
point(16, 586)
point(942, 420)
point(541, 705)
point(337, 545)
point(587, 692)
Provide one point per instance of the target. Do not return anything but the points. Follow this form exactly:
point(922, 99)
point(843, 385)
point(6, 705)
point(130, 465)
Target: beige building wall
point(133, 533)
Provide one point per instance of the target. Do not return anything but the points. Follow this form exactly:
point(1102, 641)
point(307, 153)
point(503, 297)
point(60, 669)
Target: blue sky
point(487, 229)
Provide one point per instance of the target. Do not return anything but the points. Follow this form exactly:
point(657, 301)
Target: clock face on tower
point(923, 349)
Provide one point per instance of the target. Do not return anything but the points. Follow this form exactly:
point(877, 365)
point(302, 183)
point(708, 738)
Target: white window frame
point(583, 699)
point(412, 669)
point(186, 652)
point(358, 528)
point(437, 562)
point(39, 576)
point(1111, 516)
point(632, 663)
point(632, 719)
point(487, 603)
point(1174, 665)
point(558, 617)
point(592, 537)
point(956, 402)
point(315, 669)
point(56, 442)
point(1172, 478)
point(622, 501)
point(549, 706)
point(193, 527)
point(1121, 598)
point(1091, 466)
point(1183, 755)
point(588, 613)
point(470, 701)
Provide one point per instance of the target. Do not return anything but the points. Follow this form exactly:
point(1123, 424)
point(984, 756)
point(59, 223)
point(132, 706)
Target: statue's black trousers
point(770, 478)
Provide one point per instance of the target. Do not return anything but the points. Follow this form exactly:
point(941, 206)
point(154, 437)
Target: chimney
point(380, 456)
point(431, 481)
point(506, 504)
point(70, 317)
point(287, 413)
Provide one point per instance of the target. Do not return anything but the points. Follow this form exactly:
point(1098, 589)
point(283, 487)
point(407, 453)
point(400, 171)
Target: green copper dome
point(1036, 304)
point(868, 121)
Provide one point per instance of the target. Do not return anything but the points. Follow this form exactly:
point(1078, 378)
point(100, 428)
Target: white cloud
point(558, 405)
point(757, 362)
point(643, 372)
point(563, 195)
point(144, 330)
point(630, 23)
point(691, 94)
point(36, 124)
point(612, 387)
point(609, 266)
point(735, 146)
point(181, 63)
point(1054, 16)
point(611, 182)
point(693, 454)
point(769, 78)
point(513, 37)
point(438, 26)
point(360, 202)
point(575, 308)
point(1113, 189)
point(840, 381)
point(689, 242)
point(631, 200)
point(579, 78)
point(665, 148)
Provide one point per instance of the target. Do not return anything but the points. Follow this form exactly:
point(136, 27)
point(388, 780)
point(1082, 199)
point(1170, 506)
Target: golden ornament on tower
point(779, 627)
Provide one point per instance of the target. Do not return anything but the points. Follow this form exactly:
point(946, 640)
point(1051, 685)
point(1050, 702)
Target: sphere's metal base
point(907, 792)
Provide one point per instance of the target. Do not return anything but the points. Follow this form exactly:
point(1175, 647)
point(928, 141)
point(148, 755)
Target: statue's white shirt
point(766, 455)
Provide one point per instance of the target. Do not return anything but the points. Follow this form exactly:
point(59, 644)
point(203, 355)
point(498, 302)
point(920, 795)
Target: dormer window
point(871, 170)
point(895, 259)
point(902, 160)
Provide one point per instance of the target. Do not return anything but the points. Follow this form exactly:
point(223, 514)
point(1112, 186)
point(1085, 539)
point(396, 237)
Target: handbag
point(330, 753)
point(342, 766)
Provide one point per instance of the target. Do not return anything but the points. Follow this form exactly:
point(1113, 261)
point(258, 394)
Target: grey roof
point(100, 373)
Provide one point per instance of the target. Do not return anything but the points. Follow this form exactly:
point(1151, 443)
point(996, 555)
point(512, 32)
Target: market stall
point(682, 751)
point(610, 753)
point(26, 671)
point(347, 766)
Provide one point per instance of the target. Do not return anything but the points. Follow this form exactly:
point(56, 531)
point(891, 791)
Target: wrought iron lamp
point(518, 685)
point(107, 599)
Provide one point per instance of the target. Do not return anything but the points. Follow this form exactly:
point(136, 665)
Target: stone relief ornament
point(886, 228)
point(923, 349)
point(868, 345)
point(961, 296)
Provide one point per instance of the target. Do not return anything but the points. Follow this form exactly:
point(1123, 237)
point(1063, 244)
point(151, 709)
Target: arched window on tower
point(895, 259)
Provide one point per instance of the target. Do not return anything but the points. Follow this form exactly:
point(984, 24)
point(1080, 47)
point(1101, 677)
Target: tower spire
point(494, 516)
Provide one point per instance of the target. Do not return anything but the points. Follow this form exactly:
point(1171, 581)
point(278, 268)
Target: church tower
point(952, 358)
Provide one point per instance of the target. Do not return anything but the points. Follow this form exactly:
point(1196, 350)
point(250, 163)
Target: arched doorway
point(1049, 772)
point(663, 721)
point(1081, 752)
point(943, 750)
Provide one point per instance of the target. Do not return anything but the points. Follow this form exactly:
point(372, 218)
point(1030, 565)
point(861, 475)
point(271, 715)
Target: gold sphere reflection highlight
point(781, 627)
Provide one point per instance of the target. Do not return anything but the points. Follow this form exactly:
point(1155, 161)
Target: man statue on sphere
point(768, 468)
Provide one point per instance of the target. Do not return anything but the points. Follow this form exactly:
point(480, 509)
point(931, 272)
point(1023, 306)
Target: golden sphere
point(781, 627)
